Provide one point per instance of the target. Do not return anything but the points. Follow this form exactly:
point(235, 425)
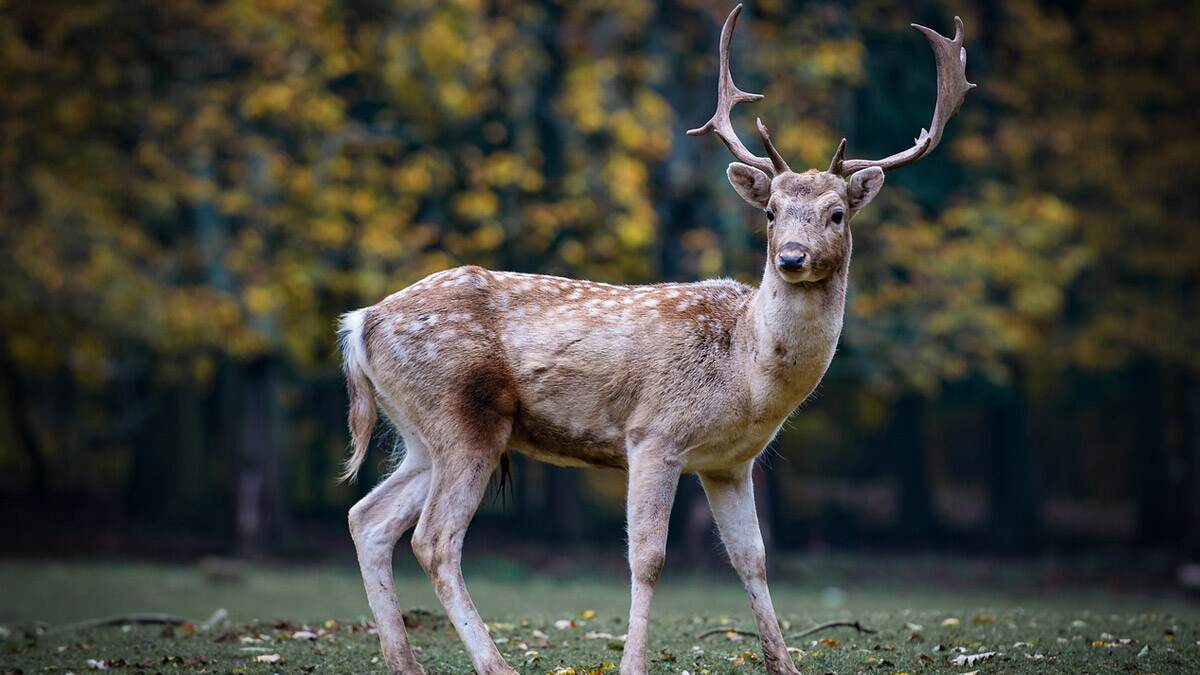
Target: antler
point(728, 95)
point(951, 59)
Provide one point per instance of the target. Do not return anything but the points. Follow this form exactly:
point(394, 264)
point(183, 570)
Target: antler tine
point(950, 58)
point(835, 166)
point(776, 158)
point(728, 95)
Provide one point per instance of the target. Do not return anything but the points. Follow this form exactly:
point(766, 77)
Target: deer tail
point(363, 414)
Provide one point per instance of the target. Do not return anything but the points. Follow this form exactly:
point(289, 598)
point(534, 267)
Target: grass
point(923, 627)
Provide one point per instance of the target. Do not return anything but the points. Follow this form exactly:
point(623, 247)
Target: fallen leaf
point(268, 658)
point(980, 619)
point(830, 642)
point(587, 614)
point(971, 659)
point(304, 635)
point(951, 621)
point(563, 624)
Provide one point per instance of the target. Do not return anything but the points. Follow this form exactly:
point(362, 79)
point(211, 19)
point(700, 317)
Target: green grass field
point(315, 620)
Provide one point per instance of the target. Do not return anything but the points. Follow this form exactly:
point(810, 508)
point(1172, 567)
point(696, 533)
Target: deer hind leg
point(460, 476)
point(731, 496)
point(376, 523)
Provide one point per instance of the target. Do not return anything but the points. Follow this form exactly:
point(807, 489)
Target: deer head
point(807, 212)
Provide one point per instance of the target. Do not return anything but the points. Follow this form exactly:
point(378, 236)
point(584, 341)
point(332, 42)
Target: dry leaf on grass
point(971, 659)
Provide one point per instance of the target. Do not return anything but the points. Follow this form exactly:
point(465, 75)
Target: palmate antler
point(949, 56)
point(951, 59)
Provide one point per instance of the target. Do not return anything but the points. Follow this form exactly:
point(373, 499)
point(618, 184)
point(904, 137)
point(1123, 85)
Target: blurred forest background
point(192, 190)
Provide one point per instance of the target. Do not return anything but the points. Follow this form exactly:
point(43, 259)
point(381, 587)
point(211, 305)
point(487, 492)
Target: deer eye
point(837, 216)
point(770, 215)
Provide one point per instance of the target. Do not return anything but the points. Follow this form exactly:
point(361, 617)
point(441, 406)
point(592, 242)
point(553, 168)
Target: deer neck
point(792, 332)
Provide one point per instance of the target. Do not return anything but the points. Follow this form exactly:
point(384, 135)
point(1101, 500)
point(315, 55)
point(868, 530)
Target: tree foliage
point(188, 186)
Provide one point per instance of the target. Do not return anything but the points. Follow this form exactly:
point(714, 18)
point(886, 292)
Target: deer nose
point(792, 257)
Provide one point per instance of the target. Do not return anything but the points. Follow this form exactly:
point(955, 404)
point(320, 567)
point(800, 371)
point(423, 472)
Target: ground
point(315, 620)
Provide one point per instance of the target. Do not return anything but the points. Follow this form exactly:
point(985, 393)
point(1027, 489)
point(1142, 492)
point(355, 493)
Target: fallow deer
point(657, 380)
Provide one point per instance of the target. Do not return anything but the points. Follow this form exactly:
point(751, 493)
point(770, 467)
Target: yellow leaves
point(272, 98)
point(329, 231)
point(74, 111)
point(1038, 300)
point(260, 299)
point(476, 204)
point(809, 140)
point(487, 237)
point(414, 177)
point(440, 47)
point(839, 59)
point(572, 252)
point(584, 98)
point(503, 169)
point(322, 111)
point(704, 248)
point(455, 98)
point(381, 238)
point(636, 229)
point(626, 179)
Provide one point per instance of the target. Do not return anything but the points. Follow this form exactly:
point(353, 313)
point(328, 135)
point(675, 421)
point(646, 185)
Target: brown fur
point(657, 380)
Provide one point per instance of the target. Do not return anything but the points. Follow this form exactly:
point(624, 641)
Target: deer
point(657, 380)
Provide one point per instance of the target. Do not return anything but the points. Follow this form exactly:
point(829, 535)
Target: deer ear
point(863, 187)
point(753, 185)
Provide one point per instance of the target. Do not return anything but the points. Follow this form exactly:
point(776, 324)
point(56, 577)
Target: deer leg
point(731, 496)
point(376, 523)
point(459, 481)
point(653, 477)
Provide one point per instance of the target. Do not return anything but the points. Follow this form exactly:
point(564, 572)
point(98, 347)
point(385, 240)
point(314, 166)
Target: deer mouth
point(803, 276)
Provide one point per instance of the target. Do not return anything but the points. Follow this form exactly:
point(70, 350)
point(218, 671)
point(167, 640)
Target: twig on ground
point(833, 624)
point(141, 619)
point(725, 631)
point(815, 629)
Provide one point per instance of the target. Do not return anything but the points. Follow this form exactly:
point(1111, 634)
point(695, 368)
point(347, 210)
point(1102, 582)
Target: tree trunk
point(1015, 517)
point(911, 468)
point(1156, 511)
point(564, 505)
point(1191, 518)
point(186, 457)
point(18, 415)
point(262, 521)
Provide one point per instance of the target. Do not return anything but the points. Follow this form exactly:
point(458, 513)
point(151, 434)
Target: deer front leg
point(653, 476)
point(731, 496)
